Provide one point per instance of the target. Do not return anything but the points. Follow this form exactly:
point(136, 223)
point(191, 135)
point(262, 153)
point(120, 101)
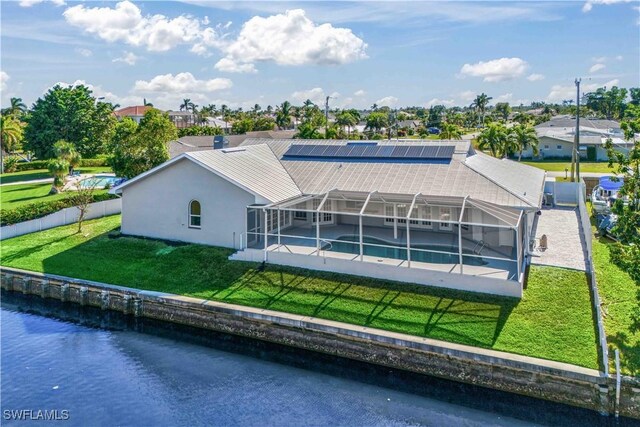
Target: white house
point(556, 138)
point(430, 212)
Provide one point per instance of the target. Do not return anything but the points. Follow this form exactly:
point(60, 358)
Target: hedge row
point(40, 209)
point(42, 164)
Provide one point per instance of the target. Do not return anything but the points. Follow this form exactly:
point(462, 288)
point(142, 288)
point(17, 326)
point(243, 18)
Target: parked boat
point(605, 194)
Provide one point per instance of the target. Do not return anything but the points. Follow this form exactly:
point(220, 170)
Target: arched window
point(194, 214)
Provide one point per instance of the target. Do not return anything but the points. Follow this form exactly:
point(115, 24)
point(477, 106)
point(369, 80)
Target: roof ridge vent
point(233, 150)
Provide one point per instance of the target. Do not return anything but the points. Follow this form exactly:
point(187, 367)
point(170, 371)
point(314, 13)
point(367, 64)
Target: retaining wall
point(532, 377)
point(62, 217)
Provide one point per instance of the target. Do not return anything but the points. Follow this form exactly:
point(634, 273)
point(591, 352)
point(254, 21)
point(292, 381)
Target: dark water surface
point(108, 369)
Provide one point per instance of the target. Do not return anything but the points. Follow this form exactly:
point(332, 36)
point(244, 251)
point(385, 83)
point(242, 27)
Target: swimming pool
point(399, 251)
point(100, 181)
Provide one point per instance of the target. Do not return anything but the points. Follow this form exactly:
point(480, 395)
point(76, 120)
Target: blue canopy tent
point(607, 184)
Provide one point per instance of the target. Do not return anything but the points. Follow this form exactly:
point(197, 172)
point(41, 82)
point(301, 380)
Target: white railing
point(62, 217)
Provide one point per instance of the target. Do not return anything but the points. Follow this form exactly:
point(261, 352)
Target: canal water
point(107, 369)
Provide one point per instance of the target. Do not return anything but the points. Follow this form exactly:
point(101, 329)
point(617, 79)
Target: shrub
point(42, 164)
point(627, 257)
point(10, 164)
point(93, 162)
point(40, 209)
point(33, 165)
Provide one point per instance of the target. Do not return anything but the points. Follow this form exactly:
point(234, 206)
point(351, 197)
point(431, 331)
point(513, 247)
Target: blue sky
point(391, 53)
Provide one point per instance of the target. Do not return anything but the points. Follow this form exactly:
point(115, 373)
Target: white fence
point(62, 217)
point(564, 193)
point(585, 225)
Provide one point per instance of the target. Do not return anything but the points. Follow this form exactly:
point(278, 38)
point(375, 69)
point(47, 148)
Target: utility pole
point(326, 116)
point(577, 139)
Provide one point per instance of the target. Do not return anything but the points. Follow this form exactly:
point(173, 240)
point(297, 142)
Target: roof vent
point(233, 150)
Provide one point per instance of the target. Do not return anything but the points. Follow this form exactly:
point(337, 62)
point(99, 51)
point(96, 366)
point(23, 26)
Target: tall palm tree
point(480, 104)
point(495, 138)
point(522, 117)
point(16, 108)
point(187, 105)
point(146, 103)
point(256, 109)
point(283, 115)
point(450, 131)
point(308, 104)
point(523, 136)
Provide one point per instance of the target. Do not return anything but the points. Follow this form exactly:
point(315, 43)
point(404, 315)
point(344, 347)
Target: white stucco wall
point(158, 206)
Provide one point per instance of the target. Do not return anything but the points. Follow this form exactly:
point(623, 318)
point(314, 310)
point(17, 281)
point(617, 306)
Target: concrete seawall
point(554, 381)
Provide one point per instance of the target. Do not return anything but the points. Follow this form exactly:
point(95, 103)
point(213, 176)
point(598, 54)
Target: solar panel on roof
point(414, 152)
point(359, 152)
point(399, 151)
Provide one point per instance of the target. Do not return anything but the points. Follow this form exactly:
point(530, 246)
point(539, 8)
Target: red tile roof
point(137, 110)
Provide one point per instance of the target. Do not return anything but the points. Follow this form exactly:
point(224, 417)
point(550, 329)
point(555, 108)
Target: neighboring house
point(431, 212)
point(183, 119)
point(409, 124)
point(136, 112)
point(557, 135)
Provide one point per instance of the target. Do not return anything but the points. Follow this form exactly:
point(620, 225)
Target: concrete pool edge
point(554, 381)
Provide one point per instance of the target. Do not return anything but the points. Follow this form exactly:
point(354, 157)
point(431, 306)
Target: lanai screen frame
point(510, 218)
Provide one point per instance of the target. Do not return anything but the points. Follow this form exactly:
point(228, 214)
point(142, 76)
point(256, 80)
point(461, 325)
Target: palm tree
point(374, 107)
point(187, 105)
point(308, 104)
point(16, 108)
point(66, 151)
point(480, 104)
point(495, 138)
point(346, 119)
point(522, 117)
point(269, 109)
point(522, 137)
point(376, 121)
point(146, 103)
point(58, 168)
point(256, 109)
point(10, 137)
point(283, 115)
point(450, 131)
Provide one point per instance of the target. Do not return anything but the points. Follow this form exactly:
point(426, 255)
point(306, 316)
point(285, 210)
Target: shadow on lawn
point(206, 272)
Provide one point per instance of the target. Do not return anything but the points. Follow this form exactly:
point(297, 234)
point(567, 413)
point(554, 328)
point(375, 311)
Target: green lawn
point(619, 298)
point(560, 166)
point(8, 178)
point(552, 321)
point(12, 196)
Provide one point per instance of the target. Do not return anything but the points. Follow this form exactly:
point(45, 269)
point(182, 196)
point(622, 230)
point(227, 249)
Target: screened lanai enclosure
point(446, 234)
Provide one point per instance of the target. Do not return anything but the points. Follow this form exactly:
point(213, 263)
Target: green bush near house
point(553, 320)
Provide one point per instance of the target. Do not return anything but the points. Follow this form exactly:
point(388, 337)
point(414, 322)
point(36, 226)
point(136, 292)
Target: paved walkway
point(566, 246)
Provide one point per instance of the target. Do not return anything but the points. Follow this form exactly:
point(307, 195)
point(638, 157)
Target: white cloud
point(359, 93)
point(535, 77)
point(561, 92)
point(4, 78)
point(84, 52)
point(620, 57)
point(496, 70)
point(503, 98)
point(230, 66)
point(129, 58)
point(29, 3)
point(290, 38)
point(125, 23)
point(180, 83)
point(467, 96)
point(589, 4)
point(596, 67)
point(387, 101)
point(437, 101)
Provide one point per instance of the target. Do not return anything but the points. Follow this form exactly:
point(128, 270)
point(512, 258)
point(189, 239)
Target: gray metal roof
point(481, 177)
point(254, 168)
point(570, 122)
